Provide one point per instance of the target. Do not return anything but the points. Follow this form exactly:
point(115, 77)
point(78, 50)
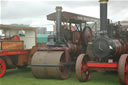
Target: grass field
point(25, 77)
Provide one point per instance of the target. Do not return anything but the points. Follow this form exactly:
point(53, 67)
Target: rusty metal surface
point(48, 57)
point(11, 45)
point(52, 49)
point(72, 17)
point(58, 24)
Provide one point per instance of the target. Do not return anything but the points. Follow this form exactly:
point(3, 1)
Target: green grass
point(25, 77)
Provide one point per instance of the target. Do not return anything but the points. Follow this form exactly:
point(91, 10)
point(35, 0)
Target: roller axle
point(53, 65)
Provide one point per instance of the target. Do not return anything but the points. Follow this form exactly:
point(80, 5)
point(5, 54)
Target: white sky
point(33, 12)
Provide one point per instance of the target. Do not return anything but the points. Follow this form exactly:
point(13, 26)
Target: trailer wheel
point(82, 72)
point(123, 69)
point(2, 67)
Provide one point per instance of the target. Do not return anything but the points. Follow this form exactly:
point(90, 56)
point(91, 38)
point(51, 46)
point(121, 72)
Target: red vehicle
point(107, 52)
point(16, 45)
point(55, 60)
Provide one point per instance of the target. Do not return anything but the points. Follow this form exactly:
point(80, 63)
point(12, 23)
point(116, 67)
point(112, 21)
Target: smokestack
point(103, 15)
point(58, 23)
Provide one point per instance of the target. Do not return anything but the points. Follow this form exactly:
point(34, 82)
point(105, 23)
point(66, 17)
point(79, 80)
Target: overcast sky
point(33, 12)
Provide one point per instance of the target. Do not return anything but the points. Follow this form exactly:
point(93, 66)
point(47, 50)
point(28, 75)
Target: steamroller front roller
point(50, 64)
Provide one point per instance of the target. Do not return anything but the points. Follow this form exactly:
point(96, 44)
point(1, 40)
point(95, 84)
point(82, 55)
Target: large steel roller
point(49, 64)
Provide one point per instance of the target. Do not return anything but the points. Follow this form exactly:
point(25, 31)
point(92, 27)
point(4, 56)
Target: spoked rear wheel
point(123, 69)
point(82, 72)
point(2, 67)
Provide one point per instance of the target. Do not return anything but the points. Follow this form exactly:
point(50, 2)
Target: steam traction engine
point(64, 46)
point(108, 52)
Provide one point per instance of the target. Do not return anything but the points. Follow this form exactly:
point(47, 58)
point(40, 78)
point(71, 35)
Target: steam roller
point(56, 59)
point(53, 62)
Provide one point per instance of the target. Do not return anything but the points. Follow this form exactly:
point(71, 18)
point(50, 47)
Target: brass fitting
point(103, 1)
point(58, 8)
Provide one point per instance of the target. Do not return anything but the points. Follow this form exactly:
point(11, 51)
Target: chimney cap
point(58, 8)
point(104, 1)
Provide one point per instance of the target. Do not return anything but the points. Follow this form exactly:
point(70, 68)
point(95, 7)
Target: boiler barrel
point(105, 47)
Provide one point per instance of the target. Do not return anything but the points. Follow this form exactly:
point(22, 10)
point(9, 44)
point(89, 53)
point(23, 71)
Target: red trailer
point(16, 45)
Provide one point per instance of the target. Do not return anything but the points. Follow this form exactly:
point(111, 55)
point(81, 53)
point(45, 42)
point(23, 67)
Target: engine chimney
point(103, 15)
point(58, 23)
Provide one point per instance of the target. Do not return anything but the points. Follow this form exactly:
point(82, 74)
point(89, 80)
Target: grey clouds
point(34, 12)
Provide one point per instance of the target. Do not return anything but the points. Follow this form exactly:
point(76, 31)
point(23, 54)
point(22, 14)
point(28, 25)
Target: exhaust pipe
point(58, 23)
point(103, 15)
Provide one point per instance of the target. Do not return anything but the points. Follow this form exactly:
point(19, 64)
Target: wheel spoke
point(126, 69)
point(83, 68)
point(87, 73)
point(126, 81)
